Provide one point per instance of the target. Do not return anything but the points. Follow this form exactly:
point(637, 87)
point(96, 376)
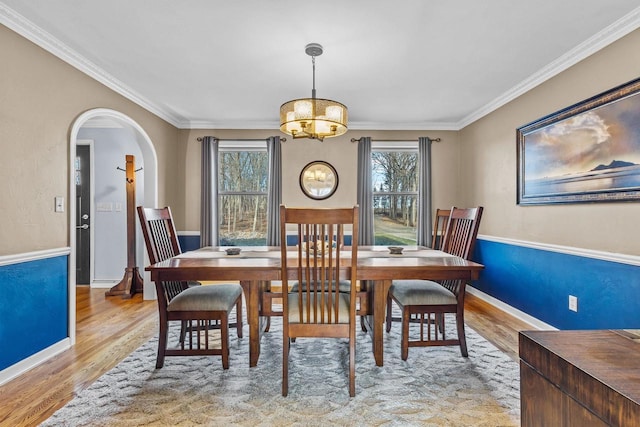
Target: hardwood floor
point(110, 328)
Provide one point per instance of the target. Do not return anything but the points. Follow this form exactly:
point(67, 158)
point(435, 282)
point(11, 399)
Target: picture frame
point(588, 152)
point(318, 180)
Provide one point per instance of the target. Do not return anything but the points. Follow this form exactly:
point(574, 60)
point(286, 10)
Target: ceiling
point(407, 64)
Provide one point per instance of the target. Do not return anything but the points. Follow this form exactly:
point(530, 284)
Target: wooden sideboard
point(579, 378)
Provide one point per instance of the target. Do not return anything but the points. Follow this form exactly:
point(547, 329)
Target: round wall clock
point(318, 180)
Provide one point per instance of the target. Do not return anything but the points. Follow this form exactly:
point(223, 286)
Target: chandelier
point(313, 118)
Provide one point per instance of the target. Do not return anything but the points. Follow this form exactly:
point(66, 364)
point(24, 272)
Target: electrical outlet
point(573, 303)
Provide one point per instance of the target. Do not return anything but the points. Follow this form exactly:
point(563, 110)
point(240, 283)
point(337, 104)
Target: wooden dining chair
point(430, 300)
point(198, 308)
point(437, 237)
point(317, 308)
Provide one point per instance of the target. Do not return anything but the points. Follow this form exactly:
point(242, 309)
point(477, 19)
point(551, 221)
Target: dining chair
point(435, 298)
point(198, 308)
point(316, 307)
point(437, 237)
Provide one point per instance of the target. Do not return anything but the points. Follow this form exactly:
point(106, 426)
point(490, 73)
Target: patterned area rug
point(435, 387)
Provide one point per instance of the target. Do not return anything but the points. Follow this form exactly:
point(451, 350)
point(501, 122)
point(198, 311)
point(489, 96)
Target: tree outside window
point(395, 196)
point(242, 197)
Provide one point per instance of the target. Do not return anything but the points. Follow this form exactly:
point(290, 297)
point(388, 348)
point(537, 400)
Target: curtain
point(365, 192)
point(274, 197)
point(424, 192)
point(209, 192)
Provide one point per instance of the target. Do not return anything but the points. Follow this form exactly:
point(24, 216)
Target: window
point(395, 193)
point(242, 194)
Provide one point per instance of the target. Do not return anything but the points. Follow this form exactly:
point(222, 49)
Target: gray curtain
point(274, 198)
point(365, 192)
point(209, 192)
point(424, 192)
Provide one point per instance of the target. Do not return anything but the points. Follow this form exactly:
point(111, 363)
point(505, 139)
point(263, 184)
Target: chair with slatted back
point(437, 237)
point(428, 298)
point(196, 307)
point(317, 308)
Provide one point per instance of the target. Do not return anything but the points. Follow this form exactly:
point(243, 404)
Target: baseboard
point(31, 362)
point(521, 315)
point(104, 284)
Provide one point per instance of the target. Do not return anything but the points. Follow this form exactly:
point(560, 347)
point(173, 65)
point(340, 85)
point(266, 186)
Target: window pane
point(395, 187)
point(395, 219)
point(242, 171)
point(242, 197)
point(395, 171)
point(243, 220)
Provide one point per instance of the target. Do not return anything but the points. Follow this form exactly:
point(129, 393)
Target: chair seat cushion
point(294, 311)
point(206, 298)
point(421, 292)
point(343, 286)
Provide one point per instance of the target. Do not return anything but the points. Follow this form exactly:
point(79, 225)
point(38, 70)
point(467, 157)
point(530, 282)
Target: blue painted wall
point(189, 243)
point(539, 283)
point(34, 305)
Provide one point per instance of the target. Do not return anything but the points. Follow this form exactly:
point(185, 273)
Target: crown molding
point(361, 125)
point(229, 124)
point(613, 32)
point(16, 22)
point(353, 125)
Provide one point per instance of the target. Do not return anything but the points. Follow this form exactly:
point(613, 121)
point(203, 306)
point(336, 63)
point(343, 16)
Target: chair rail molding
point(33, 256)
point(569, 250)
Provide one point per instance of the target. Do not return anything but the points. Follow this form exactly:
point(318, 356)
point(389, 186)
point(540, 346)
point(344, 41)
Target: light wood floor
point(109, 329)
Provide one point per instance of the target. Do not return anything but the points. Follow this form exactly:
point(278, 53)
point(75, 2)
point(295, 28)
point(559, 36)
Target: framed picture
point(318, 180)
point(589, 152)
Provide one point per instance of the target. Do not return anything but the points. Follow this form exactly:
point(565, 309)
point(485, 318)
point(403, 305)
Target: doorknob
point(85, 216)
point(83, 226)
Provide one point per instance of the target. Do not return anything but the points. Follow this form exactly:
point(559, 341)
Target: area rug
point(436, 386)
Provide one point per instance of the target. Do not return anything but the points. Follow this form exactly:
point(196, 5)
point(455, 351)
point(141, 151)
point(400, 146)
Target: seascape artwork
point(590, 156)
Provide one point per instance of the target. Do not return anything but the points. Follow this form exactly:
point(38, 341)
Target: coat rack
point(131, 283)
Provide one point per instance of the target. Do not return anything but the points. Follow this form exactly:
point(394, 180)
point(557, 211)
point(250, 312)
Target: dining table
point(256, 267)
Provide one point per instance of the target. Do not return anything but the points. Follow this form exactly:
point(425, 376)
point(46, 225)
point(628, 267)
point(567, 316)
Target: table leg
point(378, 291)
point(252, 294)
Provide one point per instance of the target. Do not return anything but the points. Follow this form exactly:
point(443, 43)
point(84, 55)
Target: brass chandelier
point(313, 118)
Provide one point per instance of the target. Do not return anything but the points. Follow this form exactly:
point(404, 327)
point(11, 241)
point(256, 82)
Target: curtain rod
point(199, 139)
point(394, 140)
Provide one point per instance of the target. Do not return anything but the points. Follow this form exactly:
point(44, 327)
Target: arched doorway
point(149, 194)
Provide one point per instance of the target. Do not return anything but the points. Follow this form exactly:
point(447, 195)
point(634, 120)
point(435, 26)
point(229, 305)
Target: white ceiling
point(404, 64)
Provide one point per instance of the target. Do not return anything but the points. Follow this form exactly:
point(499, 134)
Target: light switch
point(59, 204)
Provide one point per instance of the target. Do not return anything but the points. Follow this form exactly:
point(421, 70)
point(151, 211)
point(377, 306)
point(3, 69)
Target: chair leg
point(162, 343)
point(183, 330)
point(389, 307)
point(461, 336)
point(352, 367)
point(404, 348)
point(363, 326)
point(440, 322)
point(285, 366)
point(239, 317)
point(224, 340)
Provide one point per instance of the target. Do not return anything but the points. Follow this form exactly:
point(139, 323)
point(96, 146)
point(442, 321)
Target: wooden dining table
point(256, 267)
